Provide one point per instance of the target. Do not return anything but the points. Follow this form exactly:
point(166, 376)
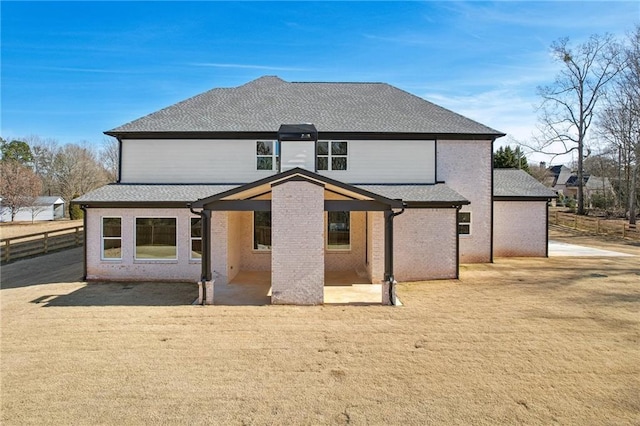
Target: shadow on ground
point(59, 267)
point(124, 294)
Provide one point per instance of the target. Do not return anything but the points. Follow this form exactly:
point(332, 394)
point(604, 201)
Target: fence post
point(575, 222)
point(45, 243)
point(7, 248)
point(597, 226)
point(624, 228)
point(77, 235)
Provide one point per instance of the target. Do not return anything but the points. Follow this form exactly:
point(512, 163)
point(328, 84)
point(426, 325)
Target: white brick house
point(296, 180)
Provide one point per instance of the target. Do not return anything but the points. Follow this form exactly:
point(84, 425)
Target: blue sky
point(71, 70)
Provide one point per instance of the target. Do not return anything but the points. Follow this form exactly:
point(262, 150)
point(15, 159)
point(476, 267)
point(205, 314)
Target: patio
point(253, 288)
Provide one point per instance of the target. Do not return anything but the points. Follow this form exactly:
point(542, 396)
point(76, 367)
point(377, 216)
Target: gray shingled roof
point(416, 193)
point(127, 193)
point(264, 104)
point(134, 193)
point(518, 183)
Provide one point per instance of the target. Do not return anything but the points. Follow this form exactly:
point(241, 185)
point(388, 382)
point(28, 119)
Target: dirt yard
point(520, 341)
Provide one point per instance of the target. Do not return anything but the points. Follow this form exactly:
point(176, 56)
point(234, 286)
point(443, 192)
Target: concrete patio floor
point(254, 288)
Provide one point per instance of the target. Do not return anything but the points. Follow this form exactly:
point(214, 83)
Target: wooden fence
point(595, 225)
point(43, 242)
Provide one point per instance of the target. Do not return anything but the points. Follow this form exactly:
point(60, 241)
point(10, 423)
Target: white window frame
point(274, 156)
point(326, 238)
point(192, 239)
point(151, 259)
point(330, 156)
point(103, 238)
point(460, 222)
point(253, 236)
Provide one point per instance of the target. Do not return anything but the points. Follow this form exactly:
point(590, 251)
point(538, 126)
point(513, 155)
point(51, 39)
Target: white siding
point(387, 162)
point(234, 161)
point(190, 161)
point(297, 154)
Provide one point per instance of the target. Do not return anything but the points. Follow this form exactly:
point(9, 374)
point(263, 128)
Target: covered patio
point(295, 266)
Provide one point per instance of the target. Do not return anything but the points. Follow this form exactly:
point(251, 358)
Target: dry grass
point(16, 229)
point(538, 341)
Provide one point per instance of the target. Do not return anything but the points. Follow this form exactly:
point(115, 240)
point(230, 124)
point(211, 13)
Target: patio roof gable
point(250, 191)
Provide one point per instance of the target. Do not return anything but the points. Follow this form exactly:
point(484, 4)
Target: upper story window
point(331, 155)
point(266, 155)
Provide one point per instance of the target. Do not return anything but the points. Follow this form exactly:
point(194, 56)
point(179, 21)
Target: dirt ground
point(16, 229)
point(520, 341)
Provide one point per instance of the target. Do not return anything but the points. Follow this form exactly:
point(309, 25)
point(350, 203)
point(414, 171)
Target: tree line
point(33, 166)
point(592, 109)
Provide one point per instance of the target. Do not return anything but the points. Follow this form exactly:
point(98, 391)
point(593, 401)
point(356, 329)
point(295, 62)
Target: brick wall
point(465, 166)
point(375, 246)
point(129, 269)
point(425, 244)
point(297, 238)
point(520, 228)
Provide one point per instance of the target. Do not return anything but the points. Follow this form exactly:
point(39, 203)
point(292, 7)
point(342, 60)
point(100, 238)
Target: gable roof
point(264, 104)
point(515, 184)
point(253, 189)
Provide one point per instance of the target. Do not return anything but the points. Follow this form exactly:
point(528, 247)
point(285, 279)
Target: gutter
point(83, 207)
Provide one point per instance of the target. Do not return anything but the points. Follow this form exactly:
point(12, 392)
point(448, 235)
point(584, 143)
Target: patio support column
point(297, 243)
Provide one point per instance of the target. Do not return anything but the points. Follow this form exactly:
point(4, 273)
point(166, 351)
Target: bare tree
point(44, 152)
point(109, 156)
point(35, 209)
point(77, 171)
point(619, 122)
point(19, 186)
point(569, 104)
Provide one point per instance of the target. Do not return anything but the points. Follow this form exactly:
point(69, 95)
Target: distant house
point(565, 182)
point(298, 180)
point(45, 208)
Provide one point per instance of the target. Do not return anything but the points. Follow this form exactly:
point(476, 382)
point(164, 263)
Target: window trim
point(135, 242)
point(102, 238)
point(326, 238)
point(460, 222)
point(192, 238)
point(330, 156)
point(274, 156)
point(253, 236)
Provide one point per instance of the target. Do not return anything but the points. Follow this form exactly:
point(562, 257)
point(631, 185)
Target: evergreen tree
point(507, 158)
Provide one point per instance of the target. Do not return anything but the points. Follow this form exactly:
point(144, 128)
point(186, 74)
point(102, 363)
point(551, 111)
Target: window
point(338, 231)
point(464, 223)
point(331, 155)
point(111, 238)
point(267, 156)
point(196, 238)
point(156, 238)
point(262, 231)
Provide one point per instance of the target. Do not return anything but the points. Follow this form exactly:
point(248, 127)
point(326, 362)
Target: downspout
point(119, 159)
point(546, 237)
point(83, 207)
point(458, 241)
point(205, 274)
point(388, 251)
